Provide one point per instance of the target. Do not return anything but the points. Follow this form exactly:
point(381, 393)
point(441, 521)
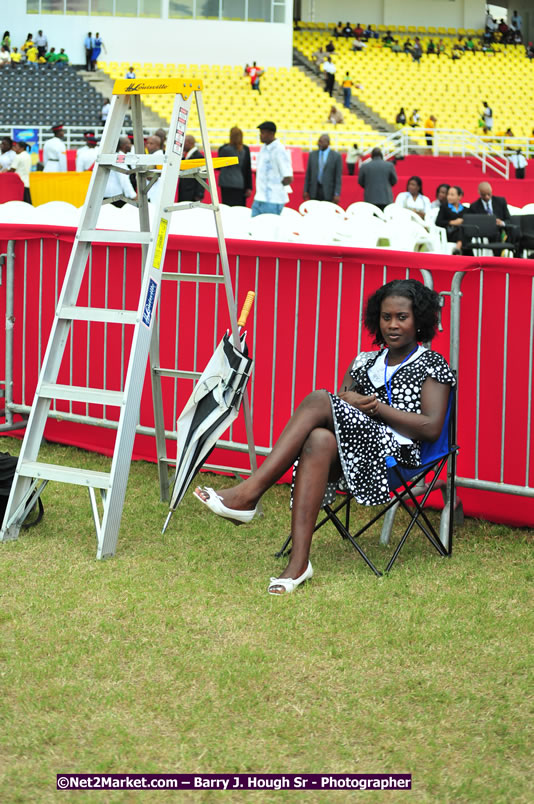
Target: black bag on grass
point(8, 465)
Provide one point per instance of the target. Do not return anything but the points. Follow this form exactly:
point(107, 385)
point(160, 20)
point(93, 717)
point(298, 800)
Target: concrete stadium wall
point(455, 14)
point(160, 40)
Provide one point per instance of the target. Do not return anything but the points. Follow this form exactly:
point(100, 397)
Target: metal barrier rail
point(305, 330)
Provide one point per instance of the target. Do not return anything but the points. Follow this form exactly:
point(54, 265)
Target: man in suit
point(190, 189)
point(490, 204)
point(323, 173)
point(377, 177)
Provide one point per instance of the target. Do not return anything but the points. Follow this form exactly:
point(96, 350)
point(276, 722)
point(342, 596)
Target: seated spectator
point(489, 204)
point(441, 195)
point(131, 72)
point(32, 56)
point(358, 45)
point(459, 45)
point(431, 48)
point(347, 30)
point(15, 57)
point(451, 216)
point(335, 116)
point(517, 38)
point(338, 30)
point(415, 118)
point(470, 45)
point(413, 198)
point(387, 39)
point(51, 57)
point(417, 50)
point(62, 59)
point(358, 31)
point(407, 46)
point(503, 27)
point(5, 58)
point(509, 132)
point(330, 48)
point(530, 50)
point(401, 117)
point(368, 33)
point(440, 47)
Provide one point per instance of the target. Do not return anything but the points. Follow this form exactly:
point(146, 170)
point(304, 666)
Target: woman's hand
point(456, 222)
point(367, 404)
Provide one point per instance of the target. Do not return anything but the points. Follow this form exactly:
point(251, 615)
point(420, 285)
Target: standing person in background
point(254, 73)
point(401, 117)
point(353, 158)
point(519, 161)
point(28, 43)
point(55, 151)
point(190, 189)
point(235, 181)
point(415, 118)
point(274, 173)
point(377, 177)
point(7, 154)
point(6, 41)
point(162, 134)
point(329, 69)
point(21, 165)
point(487, 115)
point(98, 44)
point(88, 44)
point(86, 156)
point(347, 85)
point(430, 125)
point(105, 111)
point(323, 173)
point(41, 43)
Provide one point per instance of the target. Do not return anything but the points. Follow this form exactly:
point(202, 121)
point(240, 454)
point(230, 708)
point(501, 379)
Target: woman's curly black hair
point(425, 306)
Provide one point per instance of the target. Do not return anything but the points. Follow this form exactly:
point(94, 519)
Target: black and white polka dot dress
point(363, 442)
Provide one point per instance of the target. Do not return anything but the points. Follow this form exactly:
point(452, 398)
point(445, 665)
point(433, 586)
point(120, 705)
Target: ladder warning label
point(160, 242)
point(149, 302)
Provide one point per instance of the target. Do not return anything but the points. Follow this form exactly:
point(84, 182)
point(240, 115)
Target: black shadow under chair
point(485, 234)
point(407, 485)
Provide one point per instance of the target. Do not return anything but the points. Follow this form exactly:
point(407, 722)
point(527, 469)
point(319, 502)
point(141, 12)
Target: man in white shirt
point(519, 161)
point(329, 69)
point(7, 154)
point(55, 151)
point(41, 42)
point(273, 173)
point(119, 184)
point(86, 155)
point(21, 165)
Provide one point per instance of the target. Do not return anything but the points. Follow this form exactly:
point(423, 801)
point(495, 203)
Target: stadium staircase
point(364, 112)
point(103, 84)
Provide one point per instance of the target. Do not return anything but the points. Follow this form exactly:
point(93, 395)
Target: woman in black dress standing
point(235, 181)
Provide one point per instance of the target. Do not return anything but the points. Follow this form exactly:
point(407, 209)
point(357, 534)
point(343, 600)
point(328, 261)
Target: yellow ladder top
point(157, 86)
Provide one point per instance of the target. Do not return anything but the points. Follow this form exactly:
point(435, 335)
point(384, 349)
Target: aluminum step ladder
point(107, 489)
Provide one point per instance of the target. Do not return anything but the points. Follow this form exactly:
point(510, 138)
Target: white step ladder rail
point(33, 475)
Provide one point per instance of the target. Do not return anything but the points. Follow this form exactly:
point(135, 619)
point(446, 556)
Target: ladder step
point(183, 375)
point(75, 393)
point(113, 236)
point(106, 315)
point(65, 474)
point(180, 277)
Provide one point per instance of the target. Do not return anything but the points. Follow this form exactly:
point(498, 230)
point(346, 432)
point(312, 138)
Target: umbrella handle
point(245, 310)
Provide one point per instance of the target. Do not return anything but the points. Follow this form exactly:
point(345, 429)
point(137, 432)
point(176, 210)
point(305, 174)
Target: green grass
point(171, 657)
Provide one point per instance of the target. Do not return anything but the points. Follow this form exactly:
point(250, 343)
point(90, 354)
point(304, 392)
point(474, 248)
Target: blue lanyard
point(387, 382)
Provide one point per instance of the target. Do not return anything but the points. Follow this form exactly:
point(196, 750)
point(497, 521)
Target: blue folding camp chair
point(407, 485)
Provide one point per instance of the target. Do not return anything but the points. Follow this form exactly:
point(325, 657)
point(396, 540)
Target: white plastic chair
point(362, 231)
point(528, 209)
point(363, 207)
point(17, 212)
point(321, 208)
point(58, 213)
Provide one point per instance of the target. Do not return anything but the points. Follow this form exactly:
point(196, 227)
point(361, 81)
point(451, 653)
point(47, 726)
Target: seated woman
point(391, 400)
point(335, 116)
point(441, 195)
point(413, 198)
point(451, 216)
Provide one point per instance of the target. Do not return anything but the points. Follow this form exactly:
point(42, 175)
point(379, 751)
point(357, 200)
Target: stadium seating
point(47, 96)
point(452, 90)
point(289, 97)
